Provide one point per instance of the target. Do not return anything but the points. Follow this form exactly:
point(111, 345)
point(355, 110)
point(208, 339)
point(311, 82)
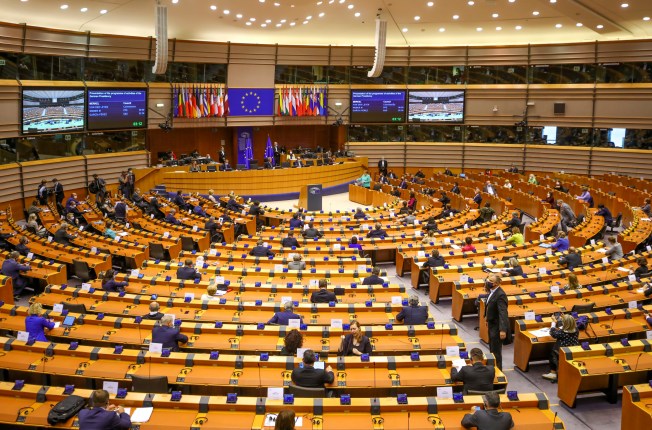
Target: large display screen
point(52, 110)
point(110, 109)
point(377, 106)
point(436, 106)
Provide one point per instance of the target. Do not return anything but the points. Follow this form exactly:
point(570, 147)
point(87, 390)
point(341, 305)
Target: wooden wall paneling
point(55, 42)
point(10, 190)
point(397, 56)
point(206, 140)
point(631, 162)
point(303, 55)
point(394, 153)
point(362, 56)
point(120, 47)
point(562, 53)
point(11, 37)
point(434, 154)
point(578, 99)
point(339, 94)
point(250, 75)
point(70, 171)
point(252, 54)
point(548, 158)
point(624, 106)
point(498, 55)
point(492, 156)
point(340, 55)
point(481, 100)
point(438, 56)
point(624, 51)
point(10, 108)
point(291, 137)
point(159, 93)
point(201, 52)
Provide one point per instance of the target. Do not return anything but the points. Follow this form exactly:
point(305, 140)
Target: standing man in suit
point(382, 166)
point(322, 295)
point(167, 334)
point(188, 272)
point(101, 415)
point(414, 313)
point(495, 313)
point(58, 192)
point(42, 193)
point(277, 154)
point(488, 418)
point(130, 184)
point(98, 187)
point(283, 317)
point(477, 376)
point(310, 377)
point(568, 218)
point(221, 156)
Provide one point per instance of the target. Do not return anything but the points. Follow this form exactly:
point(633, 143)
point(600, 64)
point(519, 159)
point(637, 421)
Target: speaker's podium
point(310, 197)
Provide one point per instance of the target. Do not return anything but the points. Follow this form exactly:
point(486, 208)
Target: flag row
point(302, 101)
point(199, 102)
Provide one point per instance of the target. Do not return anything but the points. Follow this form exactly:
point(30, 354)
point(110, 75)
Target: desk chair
point(482, 393)
point(81, 270)
point(304, 392)
point(211, 168)
point(583, 309)
point(285, 164)
point(187, 244)
point(75, 308)
point(151, 384)
point(157, 252)
point(615, 223)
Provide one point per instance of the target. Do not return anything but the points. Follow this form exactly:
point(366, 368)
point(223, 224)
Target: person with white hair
point(168, 335)
point(283, 317)
point(414, 313)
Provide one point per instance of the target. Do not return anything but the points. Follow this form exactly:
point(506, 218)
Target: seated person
point(282, 317)
point(516, 238)
point(211, 197)
point(187, 271)
point(513, 268)
point(409, 218)
point(34, 227)
point(404, 209)
point(311, 232)
point(477, 376)
point(435, 260)
point(646, 208)
point(377, 232)
point(295, 221)
point(642, 269)
point(102, 415)
point(179, 201)
point(35, 323)
point(353, 244)
point(614, 250)
point(213, 228)
point(431, 224)
point(486, 212)
point(309, 377)
point(154, 313)
point(572, 260)
point(412, 202)
point(154, 208)
point(269, 163)
point(210, 294)
point(297, 263)
point(448, 211)
point(290, 241)
point(226, 166)
point(573, 282)
point(260, 250)
point(489, 417)
point(477, 198)
point(444, 199)
point(468, 245)
point(232, 204)
point(605, 213)
point(22, 247)
point(562, 243)
point(359, 214)
point(168, 335)
point(414, 313)
point(199, 210)
point(292, 341)
point(354, 343)
point(456, 188)
point(374, 278)
point(34, 209)
point(564, 331)
point(514, 221)
point(171, 219)
point(322, 295)
point(109, 284)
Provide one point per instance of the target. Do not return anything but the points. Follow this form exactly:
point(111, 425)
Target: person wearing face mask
point(495, 313)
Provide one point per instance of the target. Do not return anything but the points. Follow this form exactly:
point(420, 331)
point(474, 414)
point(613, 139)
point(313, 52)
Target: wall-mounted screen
point(436, 106)
point(377, 106)
point(111, 109)
point(52, 110)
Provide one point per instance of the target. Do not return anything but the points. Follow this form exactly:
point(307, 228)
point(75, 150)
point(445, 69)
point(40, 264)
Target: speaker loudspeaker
point(381, 42)
point(161, 59)
point(560, 108)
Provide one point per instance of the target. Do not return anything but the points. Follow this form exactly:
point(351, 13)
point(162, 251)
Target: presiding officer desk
point(87, 367)
point(30, 405)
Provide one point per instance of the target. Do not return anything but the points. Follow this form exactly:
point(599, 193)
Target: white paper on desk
point(93, 250)
point(543, 271)
point(495, 270)
point(624, 269)
point(300, 352)
point(542, 238)
point(166, 234)
point(151, 216)
point(455, 246)
point(191, 295)
point(397, 300)
point(319, 365)
point(554, 289)
point(270, 421)
point(648, 248)
point(459, 363)
point(548, 252)
point(490, 246)
point(156, 347)
point(466, 226)
point(294, 323)
point(464, 278)
point(135, 272)
point(58, 307)
point(127, 224)
point(445, 392)
point(123, 233)
point(648, 335)
point(118, 238)
point(605, 260)
point(545, 245)
point(593, 242)
point(195, 228)
point(487, 261)
point(421, 253)
point(362, 267)
point(30, 255)
point(219, 279)
point(542, 332)
point(285, 299)
point(314, 283)
point(529, 316)
point(23, 336)
point(447, 240)
point(57, 324)
point(275, 393)
point(278, 267)
point(500, 234)
point(631, 278)
point(337, 247)
point(632, 304)
point(142, 415)
point(602, 250)
point(336, 323)
point(50, 238)
point(212, 252)
point(291, 256)
point(453, 351)
point(111, 387)
point(85, 286)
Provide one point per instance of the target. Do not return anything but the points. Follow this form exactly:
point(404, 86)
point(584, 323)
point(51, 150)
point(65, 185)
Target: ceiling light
point(624, 5)
point(646, 18)
point(213, 7)
point(405, 30)
point(252, 19)
point(321, 14)
point(64, 6)
point(248, 23)
point(283, 21)
point(350, 6)
point(277, 4)
point(262, 1)
point(319, 2)
point(306, 22)
point(357, 14)
point(442, 29)
point(431, 3)
point(512, 1)
point(103, 11)
point(518, 27)
point(470, 3)
point(456, 17)
point(263, 25)
point(268, 21)
point(175, 1)
point(416, 18)
point(226, 12)
point(292, 24)
point(331, 1)
point(478, 29)
point(84, 9)
point(24, 1)
point(599, 26)
point(342, 1)
point(494, 15)
point(498, 28)
point(579, 24)
point(553, 1)
point(558, 25)
point(278, 25)
point(309, 17)
point(239, 16)
point(535, 13)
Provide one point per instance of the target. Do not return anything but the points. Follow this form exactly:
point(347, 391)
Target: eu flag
point(251, 101)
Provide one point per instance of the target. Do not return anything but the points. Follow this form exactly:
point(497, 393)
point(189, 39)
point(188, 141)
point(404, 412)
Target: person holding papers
point(354, 343)
point(283, 317)
point(35, 323)
point(22, 247)
point(615, 249)
point(187, 272)
point(414, 313)
point(489, 418)
point(167, 335)
point(310, 377)
point(564, 331)
point(477, 376)
point(562, 243)
point(103, 416)
point(260, 250)
point(377, 232)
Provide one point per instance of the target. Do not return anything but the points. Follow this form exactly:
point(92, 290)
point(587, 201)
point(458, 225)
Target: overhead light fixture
point(239, 16)
point(248, 23)
point(456, 17)
point(213, 7)
point(338, 103)
point(283, 21)
point(405, 30)
point(357, 14)
point(305, 22)
point(494, 15)
point(84, 9)
point(321, 14)
point(252, 19)
point(263, 25)
point(558, 25)
point(103, 11)
point(624, 5)
point(518, 27)
point(279, 24)
point(226, 12)
point(64, 6)
point(646, 18)
point(599, 26)
point(159, 105)
point(478, 29)
point(442, 29)
point(416, 18)
point(498, 28)
point(579, 24)
point(350, 6)
point(430, 3)
point(535, 13)
point(470, 3)
point(175, 1)
point(268, 21)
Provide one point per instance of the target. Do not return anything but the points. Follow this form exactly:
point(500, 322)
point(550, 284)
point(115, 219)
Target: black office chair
point(75, 308)
point(211, 168)
point(156, 251)
point(308, 393)
point(285, 164)
point(615, 223)
point(187, 244)
point(149, 384)
point(583, 309)
point(81, 270)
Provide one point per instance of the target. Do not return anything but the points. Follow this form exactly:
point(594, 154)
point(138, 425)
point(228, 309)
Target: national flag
point(207, 109)
point(175, 98)
point(227, 110)
point(322, 107)
point(220, 103)
point(188, 99)
point(269, 151)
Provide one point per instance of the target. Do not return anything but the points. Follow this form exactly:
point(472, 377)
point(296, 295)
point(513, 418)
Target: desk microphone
point(374, 362)
point(260, 382)
point(408, 422)
point(554, 420)
point(638, 358)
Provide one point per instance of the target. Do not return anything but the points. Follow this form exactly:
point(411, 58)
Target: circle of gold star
point(247, 95)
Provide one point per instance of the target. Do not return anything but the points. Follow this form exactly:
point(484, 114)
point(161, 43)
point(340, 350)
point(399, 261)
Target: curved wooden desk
point(257, 182)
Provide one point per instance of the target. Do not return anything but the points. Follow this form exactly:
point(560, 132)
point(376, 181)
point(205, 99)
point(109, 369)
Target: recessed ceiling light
point(535, 13)
point(292, 24)
point(478, 29)
point(175, 1)
point(306, 22)
point(84, 9)
point(278, 25)
point(248, 23)
point(309, 17)
point(263, 25)
point(518, 27)
point(512, 1)
point(321, 14)
point(262, 1)
point(252, 19)
point(268, 21)
point(456, 17)
point(350, 6)
point(470, 3)
point(430, 3)
point(319, 2)
point(494, 15)
point(226, 11)
point(213, 7)
point(239, 16)
point(342, 1)
point(416, 18)
point(553, 1)
point(558, 25)
point(624, 5)
point(331, 1)
point(599, 26)
point(277, 4)
point(646, 18)
point(283, 21)
point(357, 14)
point(498, 28)
point(405, 30)
point(24, 1)
point(579, 24)
point(103, 11)
point(441, 30)
point(64, 6)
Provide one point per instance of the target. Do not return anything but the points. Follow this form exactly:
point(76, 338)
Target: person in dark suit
point(605, 213)
point(377, 232)
point(268, 163)
point(641, 271)
point(58, 192)
point(199, 210)
point(359, 214)
point(260, 250)
point(221, 156)
point(295, 221)
point(282, 317)
point(478, 197)
point(355, 343)
point(382, 166)
point(62, 236)
point(404, 184)
point(226, 166)
point(374, 278)
point(456, 188)
point(322, 295)
point(154, 208)
point(233, 205)
point(109, 283)
point(489, 418)
point(12, 268)
point(572, 260)
point(154, 313)
point(513, 269)
point(514, 221)
point(257, 211)
point(179, 201)
point(120, 211)
point(477, 376)
point(310, 377)
point(495, 313)
point(435, 260)
point(103, 416)
point(187, 271)
point(311, 232)
point(22, 247)
point(42, 193)
point(290, 241)
point(167, 335)
point(171, 219)
point(414, 313)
